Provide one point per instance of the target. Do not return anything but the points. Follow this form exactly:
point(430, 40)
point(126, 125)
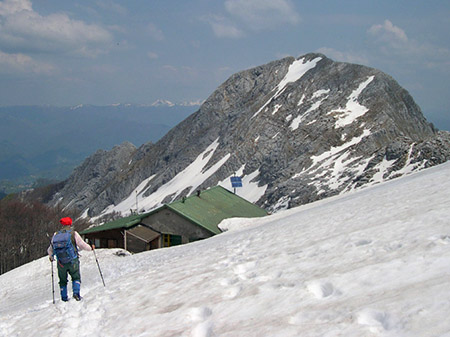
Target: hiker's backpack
point(63, 247)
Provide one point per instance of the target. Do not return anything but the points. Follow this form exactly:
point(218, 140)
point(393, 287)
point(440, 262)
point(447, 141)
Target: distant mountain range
point(46, 142)
point(162, 102)
point(294, 130)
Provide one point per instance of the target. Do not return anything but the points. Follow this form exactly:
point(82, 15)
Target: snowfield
point(375, 262)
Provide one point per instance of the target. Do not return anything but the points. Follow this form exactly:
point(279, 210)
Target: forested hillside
point(24, 226)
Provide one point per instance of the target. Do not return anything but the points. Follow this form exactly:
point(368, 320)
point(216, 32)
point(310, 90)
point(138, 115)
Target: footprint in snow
point(363, 242)
point(201, 317)
point(391, 247)
point(232, 293)
point(321, 289)
point(199, 314)
point(377, 321)
point(444, 239)
point(245, 270)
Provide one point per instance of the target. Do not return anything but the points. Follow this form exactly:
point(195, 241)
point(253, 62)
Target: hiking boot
point(77, 297)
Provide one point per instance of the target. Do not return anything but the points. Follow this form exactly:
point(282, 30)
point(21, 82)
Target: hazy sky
point(136, 51)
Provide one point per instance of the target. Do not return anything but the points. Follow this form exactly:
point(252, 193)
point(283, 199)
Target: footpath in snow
point(371, 263)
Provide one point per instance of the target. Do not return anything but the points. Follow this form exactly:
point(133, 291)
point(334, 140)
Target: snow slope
point(375, 262)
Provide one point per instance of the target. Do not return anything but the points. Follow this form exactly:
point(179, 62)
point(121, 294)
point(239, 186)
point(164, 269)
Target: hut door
point(112, 243)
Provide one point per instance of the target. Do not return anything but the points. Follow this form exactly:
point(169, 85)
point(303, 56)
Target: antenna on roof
point(137, 208)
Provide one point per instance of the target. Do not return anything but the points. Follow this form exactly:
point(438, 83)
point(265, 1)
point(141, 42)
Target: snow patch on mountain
point(382, 169)
point(132, 202)
point(409, 165)
point(323, 95)
point(353, 110)
point(79, 106)
point(250, 190)
point(167, 103)
point(192, 176)
point(296, 70)
point(162, 102)
point(337, 165)
point(330, 154)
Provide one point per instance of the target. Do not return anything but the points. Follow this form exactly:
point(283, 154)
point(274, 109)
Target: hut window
point(166, 240)
point(171, 240)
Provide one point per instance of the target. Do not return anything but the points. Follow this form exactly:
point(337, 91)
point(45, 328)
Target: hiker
point(65, 245)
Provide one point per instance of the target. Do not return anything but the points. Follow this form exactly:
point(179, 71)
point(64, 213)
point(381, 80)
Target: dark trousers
point(72, 268)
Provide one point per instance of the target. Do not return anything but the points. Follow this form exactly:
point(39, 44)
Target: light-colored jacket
point(78, 240)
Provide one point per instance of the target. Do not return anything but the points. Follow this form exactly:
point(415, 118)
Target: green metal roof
point(213, 206)
point(207, 210)
point(119, 223)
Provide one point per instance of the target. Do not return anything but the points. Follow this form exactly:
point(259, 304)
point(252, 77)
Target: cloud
point(263, 14)
point(112, 6)
point(170, 68)
point(152, 56)
point(13, 63)
point(10, 6)
point(155, 32)
point(22, 30)
point(392, 42)
point(222, 27)
point(389, 33)
point(242, 16)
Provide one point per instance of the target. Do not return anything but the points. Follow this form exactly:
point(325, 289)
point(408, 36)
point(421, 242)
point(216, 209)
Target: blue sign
point(236, 182)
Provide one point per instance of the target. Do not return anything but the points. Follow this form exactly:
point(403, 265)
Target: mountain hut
point(189, 219)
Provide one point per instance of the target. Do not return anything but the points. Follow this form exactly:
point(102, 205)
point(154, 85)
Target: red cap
point(66, 221)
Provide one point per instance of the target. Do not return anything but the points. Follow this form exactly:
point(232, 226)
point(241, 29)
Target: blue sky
point(107, 51)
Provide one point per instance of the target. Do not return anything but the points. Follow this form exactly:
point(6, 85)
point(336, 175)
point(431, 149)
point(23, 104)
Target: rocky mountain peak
point(295, 130)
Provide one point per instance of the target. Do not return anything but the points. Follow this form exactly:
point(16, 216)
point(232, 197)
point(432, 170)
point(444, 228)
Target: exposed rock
point(93, 177)
point(301, 130)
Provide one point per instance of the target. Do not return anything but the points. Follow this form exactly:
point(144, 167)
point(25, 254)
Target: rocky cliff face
point(295, 130)
point(90, 179)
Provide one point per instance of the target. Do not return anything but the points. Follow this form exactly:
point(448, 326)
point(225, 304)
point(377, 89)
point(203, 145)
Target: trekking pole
point(98, 265)
point(53, 281)
point(53, 285)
